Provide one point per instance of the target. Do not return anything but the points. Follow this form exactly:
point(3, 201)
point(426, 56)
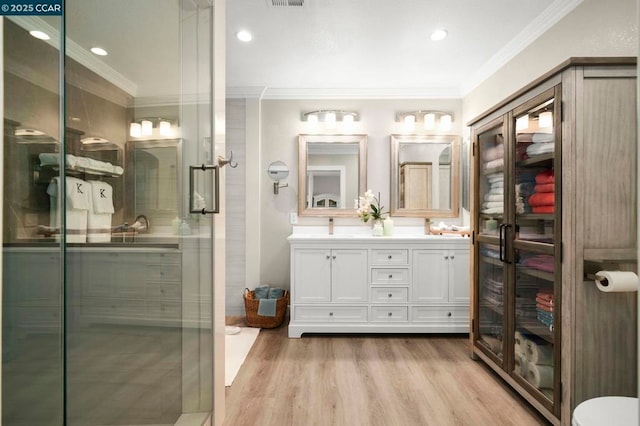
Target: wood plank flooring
point(386, 380)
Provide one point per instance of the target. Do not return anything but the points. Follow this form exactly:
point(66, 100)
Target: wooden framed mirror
point(425, 175)
point(332, 173)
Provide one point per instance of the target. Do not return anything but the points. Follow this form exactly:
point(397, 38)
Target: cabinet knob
point(390, 295)
point(453, 257)
point(389, 257)
point(330, 314)
point(449, 314)
point(328, 257)
point(390, 314)
point(446, 257)
point(333, 256)
point(161, 291)
point(390, 276)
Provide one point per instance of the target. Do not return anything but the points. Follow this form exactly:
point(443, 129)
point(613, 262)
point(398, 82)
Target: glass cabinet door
point(535, 316)
point(491, 299)
point(491, 185)
point(536, 211)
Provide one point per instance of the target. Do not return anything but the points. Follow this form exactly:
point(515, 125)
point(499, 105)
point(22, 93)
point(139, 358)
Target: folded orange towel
point(542, 199)
point(542, 209)
point(545, 176)
point(544, 187)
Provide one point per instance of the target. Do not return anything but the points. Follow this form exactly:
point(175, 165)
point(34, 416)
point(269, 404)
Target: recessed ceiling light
point(244, 35)
point(438, 35)
point(99, 51)
point(39, 34)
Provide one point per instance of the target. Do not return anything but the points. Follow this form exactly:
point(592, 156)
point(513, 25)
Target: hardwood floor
point(386, 380)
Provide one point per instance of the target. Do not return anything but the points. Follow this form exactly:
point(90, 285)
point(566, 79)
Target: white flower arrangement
point(368, 207)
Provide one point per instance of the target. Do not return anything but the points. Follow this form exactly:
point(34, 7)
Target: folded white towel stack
point(99, 219)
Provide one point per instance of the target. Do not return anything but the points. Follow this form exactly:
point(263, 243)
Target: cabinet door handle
point(501, 230)
point(389, 257)
point(390, 295)
point(453, 257)
point(506, 240)
point(328, 257)
point(330, 314)
point(390, 314)
point(446, 257)
point(390, 276)
point(334, 257)
point(449, 314)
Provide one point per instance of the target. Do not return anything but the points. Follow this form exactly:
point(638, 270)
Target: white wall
point(594, 28)
point(281, 124)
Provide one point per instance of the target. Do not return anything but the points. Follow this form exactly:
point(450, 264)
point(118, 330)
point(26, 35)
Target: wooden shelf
point(499, 169)
point(542, 160)
point(536, 328)
point(536, 216)
point(491, 260)
point(547, 276)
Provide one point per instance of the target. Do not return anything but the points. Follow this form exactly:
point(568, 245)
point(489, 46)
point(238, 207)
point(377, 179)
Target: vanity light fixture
point(330, 117)
point(429, 119)
point(144, 127)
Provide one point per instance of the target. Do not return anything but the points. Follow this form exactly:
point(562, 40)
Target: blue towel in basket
point(267, 307)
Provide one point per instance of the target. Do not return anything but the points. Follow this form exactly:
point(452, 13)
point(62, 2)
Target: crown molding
point(547, 19)
point(348, 93)
point(171, 100)
point(77, 53)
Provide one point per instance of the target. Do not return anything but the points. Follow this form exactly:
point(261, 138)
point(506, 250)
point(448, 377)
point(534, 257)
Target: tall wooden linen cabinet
point(554, 201)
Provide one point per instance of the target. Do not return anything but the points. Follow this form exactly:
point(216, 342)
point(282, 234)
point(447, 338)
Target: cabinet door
point(349, 276)
point(459, 276)
point(312, 275)
point(430, 277)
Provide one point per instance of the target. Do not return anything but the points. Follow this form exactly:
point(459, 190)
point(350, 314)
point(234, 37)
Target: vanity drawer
point(330, 313)
point(390, 276)
point(389, 313)
point(440, 314)
point(164, 290)
point(164, 272)
point(390, 257)
point(389, 295)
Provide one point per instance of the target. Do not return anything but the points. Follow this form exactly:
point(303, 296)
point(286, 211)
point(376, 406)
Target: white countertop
point(363, 233)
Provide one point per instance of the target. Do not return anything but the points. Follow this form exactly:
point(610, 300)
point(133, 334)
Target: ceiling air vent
point(286, 3)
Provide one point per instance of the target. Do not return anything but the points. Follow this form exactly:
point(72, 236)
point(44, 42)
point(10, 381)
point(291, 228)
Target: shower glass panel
point(107, 299)
point(32, 314)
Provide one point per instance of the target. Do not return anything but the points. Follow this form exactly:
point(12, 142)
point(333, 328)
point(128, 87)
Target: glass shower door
point(107, 288)
point(32, 313)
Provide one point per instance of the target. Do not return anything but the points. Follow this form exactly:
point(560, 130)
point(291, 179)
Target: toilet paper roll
point(539, 353)
point(518, 345)
point(616, 281)
point(540, 376)
point(521, 364)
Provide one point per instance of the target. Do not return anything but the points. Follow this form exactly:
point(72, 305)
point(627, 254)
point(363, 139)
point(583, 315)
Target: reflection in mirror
point(331, 174)
point(424, 175)
point(153, 173)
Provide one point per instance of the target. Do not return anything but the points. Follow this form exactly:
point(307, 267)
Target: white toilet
point(606, 410)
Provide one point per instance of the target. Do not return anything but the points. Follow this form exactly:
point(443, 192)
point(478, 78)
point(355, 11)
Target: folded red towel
point(544, 187)
point(544, 307)
point(545, 176)
point(542, 209)
point(542, 199)
point(546, 295)
point(545, 302)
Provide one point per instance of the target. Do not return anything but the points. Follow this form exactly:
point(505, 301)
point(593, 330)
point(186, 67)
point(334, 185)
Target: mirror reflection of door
point(415, 186)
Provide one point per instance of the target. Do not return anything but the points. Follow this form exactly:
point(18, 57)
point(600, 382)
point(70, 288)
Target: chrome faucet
point(142, 224)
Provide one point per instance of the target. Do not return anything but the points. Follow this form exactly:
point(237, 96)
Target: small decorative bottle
point(377, 229)
point(388, 227)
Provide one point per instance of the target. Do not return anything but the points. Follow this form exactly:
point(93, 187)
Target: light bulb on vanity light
point(330, 120)
point(445, 122)
point(409, 123)
point(135, 130)
point(429, 121)
point(147, 127)
point(347, 122)
point(545, 119)
point(165, 128)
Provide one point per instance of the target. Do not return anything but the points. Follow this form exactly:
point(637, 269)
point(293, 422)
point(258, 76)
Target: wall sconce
point(330, 118)
point(429, 119)
point(145, 126)
point(278, 171)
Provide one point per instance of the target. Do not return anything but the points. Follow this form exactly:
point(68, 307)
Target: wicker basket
point(259, 321)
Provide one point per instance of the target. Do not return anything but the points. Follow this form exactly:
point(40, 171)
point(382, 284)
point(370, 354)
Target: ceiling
point(336, 48)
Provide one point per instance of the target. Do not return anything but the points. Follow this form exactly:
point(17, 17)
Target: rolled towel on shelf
point(519, 339)
point(539, 353)
point(540, 376)
point(521, 364)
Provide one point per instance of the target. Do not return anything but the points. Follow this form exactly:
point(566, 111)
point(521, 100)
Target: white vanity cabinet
point(364, 284)
point(326, 275)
